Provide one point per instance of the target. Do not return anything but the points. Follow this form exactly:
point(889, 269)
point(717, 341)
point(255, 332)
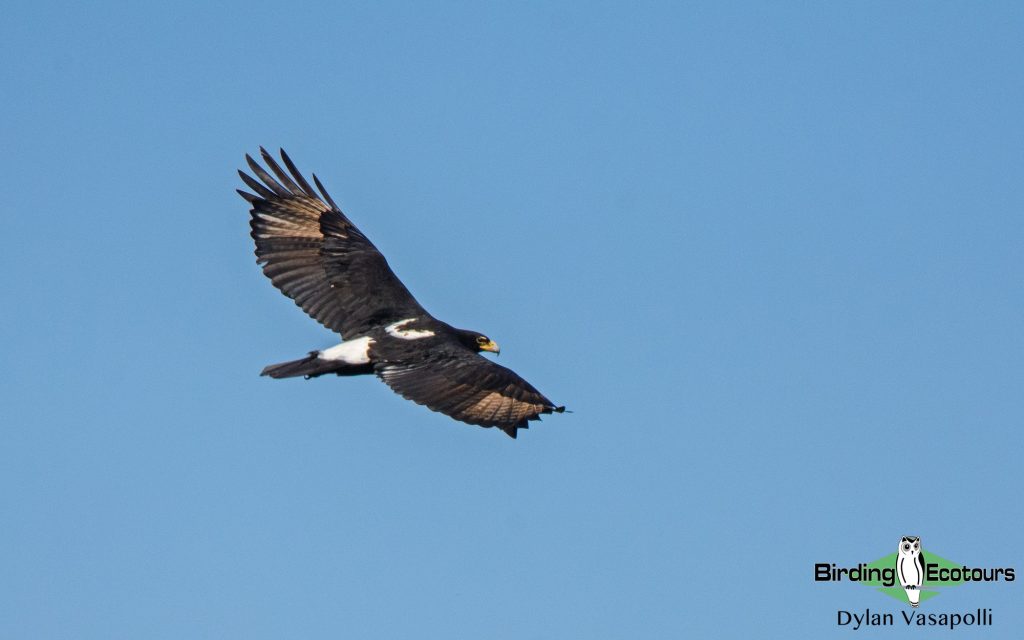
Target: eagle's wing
point(468, 387)
point(314, 254)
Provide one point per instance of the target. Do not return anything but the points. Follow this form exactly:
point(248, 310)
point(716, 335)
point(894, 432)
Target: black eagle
point(314, 254)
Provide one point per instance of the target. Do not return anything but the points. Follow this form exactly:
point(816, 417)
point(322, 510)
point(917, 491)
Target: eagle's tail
point(312, 366)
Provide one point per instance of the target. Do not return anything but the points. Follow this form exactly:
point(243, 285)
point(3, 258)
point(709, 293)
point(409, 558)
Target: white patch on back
point(351, 352)
point(395, 331)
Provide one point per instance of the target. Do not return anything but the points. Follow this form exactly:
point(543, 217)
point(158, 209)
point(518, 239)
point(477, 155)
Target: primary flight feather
point(314, 254)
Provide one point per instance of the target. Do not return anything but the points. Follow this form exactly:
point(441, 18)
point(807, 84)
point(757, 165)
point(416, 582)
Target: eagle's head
point(478, 341)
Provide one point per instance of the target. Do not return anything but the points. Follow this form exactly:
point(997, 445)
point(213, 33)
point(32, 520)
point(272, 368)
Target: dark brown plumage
point(314, 254)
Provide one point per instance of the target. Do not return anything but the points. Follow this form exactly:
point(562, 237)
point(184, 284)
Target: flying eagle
point(313, 253)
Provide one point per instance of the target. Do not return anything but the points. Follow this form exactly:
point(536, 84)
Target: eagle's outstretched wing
point(314, 254)
point(468, 387)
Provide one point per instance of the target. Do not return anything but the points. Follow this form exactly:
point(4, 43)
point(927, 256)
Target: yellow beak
point(491, 346)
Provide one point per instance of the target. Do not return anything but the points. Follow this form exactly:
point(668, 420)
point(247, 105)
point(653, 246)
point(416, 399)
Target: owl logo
point(910, 568)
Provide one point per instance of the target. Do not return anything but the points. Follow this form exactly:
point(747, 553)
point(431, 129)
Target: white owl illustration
point(910, 568)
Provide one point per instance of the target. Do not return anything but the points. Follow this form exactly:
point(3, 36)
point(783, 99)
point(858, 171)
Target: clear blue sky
point(770, 254)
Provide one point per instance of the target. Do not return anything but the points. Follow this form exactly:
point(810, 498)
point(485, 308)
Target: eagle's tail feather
point(312, 366)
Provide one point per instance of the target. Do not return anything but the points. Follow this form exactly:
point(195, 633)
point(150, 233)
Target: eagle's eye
point(482, 340)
